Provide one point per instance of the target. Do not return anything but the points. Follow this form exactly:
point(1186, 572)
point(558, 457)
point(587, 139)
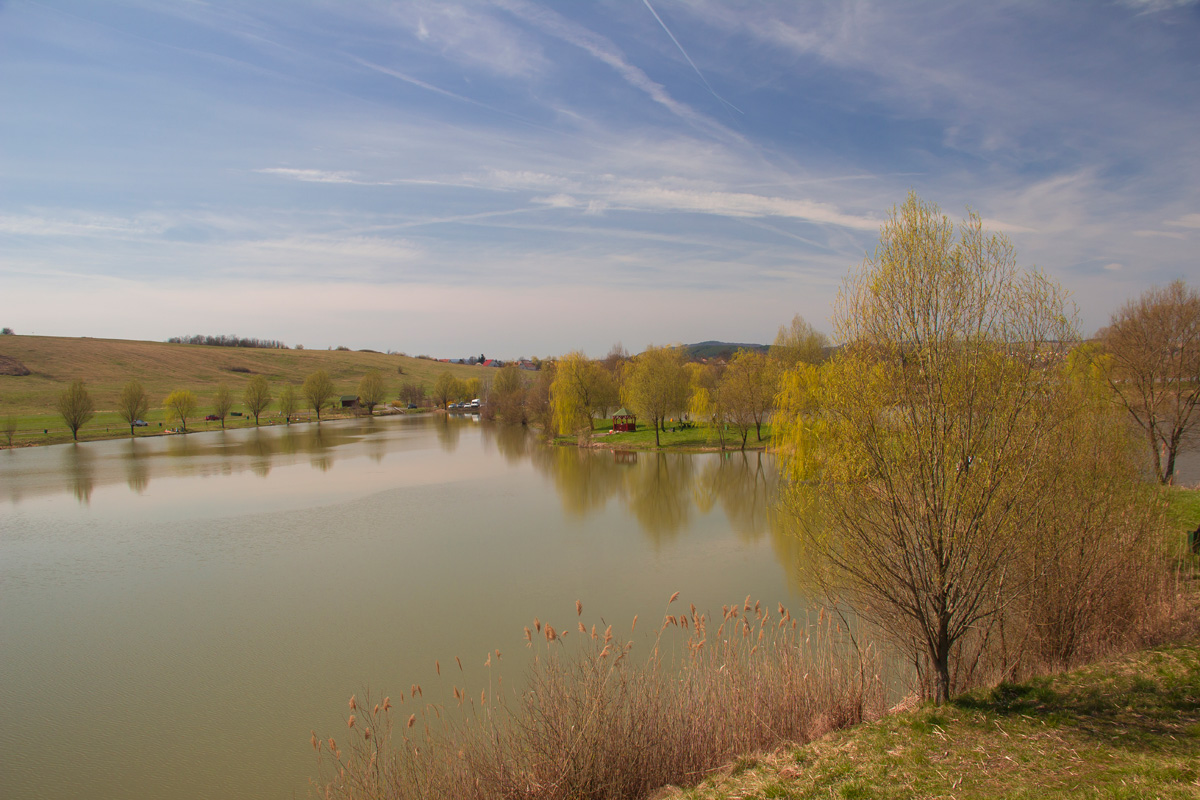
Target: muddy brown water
point(178, 613)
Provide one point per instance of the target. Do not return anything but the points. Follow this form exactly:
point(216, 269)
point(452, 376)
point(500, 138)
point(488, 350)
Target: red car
point(211, 418)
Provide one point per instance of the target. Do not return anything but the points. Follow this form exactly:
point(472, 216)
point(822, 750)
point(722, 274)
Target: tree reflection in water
point(660, 493)
point(585, 482)
point(662, 489)
point(319, 448)
point(137, 471)
point(79, 466)
point(449, 431)
point(512, 441)
point(741, 482)
point(261, 446)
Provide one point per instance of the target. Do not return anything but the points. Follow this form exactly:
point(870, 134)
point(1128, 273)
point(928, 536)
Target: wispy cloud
point(1155, 6)
point(660, 196)
point(1163, 234)
point(1186, 221)
point(696, 69)
point(470, 33)
point(76, 225)
point(608, 53)
point(313, 175)
point(470, 146)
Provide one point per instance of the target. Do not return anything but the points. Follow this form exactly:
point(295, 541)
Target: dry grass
point(596, 720)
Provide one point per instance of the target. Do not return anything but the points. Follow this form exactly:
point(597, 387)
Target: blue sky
point(525, 178)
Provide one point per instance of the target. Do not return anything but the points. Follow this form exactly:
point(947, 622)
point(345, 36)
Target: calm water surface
point(177, 613)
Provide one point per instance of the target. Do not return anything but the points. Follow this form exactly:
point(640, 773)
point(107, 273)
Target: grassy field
point(1127, 728)
point(697, 437)
point(105, 365)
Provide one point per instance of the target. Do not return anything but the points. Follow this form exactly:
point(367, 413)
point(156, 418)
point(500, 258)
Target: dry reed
point(594, 721)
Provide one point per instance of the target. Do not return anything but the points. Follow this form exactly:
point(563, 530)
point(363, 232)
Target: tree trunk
point(1169, 472)
point(940, 654)
point(1154, 448)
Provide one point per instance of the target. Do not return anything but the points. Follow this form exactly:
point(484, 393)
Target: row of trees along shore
point(659, 384)
point(76, 406)
point(967, 478)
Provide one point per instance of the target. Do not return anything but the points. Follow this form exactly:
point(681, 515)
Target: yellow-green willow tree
point(222, 402)
point(76, 407)
point(181, 403)
point(798, 342)
point(132, 404)
point(371, 390)
point(748, 390)
point(288, 403)
point(656, 385)
point(930, 433)
point(318, 390)
point(257, 396)
point(580, 389)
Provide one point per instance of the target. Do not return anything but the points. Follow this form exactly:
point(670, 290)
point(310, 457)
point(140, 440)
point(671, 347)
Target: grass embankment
point(105, 365)
point(1126, 728)
point(696, 437)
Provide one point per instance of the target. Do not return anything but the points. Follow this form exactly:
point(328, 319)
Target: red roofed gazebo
point(624, 421)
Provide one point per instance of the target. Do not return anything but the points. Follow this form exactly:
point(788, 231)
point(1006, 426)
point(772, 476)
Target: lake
point(177, 613)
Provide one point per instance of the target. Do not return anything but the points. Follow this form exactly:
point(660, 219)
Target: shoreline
point(63, 436)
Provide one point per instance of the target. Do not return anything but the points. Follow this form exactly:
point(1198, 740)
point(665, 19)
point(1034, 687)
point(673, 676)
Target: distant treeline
point(228, 341)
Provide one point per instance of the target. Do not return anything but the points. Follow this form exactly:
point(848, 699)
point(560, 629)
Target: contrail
point(689, 58)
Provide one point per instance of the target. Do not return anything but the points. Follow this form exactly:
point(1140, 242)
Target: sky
point(518, 178)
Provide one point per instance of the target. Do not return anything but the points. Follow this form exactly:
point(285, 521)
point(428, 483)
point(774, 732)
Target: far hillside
point(723, 350)
point(105, 365)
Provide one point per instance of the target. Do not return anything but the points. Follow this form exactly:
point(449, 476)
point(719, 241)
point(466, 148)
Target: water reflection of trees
point(137, 470)
point(513, 442)
point(660, 493)
point(260, 446)
point(585, 482)
point(80, 468)
point(449, 431)
point(319, 449)
point(744, 486)
point(662, 490)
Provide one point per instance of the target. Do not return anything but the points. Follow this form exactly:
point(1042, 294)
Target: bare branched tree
point(1153, 351)
point(132, 404)
point(257, 396)
point(76, 407)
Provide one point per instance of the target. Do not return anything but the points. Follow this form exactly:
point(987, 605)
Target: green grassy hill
point(105, 365)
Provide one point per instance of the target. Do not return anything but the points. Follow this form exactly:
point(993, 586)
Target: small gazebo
point(624, 421)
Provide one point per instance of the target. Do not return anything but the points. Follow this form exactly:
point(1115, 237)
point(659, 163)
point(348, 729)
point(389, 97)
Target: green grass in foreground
point(699, 436)
point(1127, 728)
